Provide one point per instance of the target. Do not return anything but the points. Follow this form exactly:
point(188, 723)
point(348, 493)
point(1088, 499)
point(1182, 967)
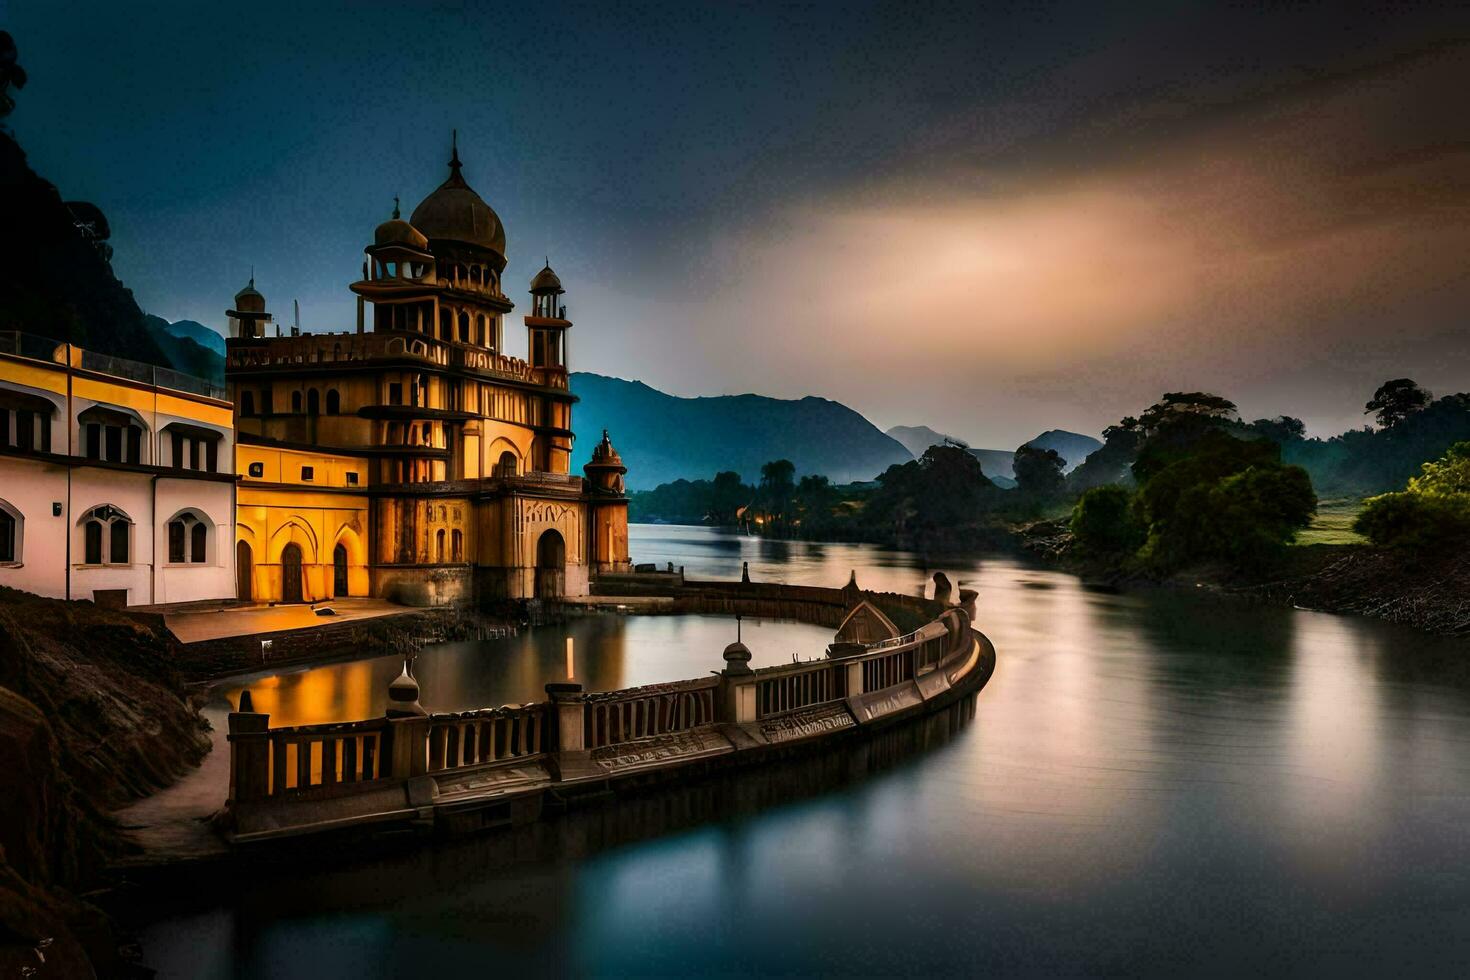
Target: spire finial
point(454, 163)
point(395, 207)
point(548, 262)
point(252, 275)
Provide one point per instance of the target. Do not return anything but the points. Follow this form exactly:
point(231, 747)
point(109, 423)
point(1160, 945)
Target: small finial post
point(395, 206)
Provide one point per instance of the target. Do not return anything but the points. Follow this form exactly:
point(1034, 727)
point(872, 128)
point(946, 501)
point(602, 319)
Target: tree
point(1039, 473)
point(777, 485)
point(727, 496)
point(1187, 404)
point(1280, 430)
point(1434, 512)
point(1448, 476)
point(1103, 522)
point(1396, 400)
point(12, 75)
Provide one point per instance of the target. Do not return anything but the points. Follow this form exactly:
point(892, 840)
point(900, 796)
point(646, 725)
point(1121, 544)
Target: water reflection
point(610, 652)
point(1152, 783)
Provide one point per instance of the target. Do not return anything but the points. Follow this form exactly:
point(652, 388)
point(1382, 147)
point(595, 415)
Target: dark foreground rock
point(92, 715)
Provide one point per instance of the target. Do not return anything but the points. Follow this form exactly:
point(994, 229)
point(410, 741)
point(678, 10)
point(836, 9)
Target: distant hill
point(197, 332)
point(184, 353)
point(917, 438)
point(1074, 447)
point(997, 463)
point(663, 438)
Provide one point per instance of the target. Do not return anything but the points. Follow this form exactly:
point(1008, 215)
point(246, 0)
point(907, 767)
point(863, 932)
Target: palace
point(413, 459)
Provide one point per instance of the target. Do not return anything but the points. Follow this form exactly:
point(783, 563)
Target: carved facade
point(415, 459)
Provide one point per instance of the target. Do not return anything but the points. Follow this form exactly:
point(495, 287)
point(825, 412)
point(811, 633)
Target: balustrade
point(621, 716)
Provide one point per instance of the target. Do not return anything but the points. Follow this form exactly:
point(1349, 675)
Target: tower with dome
point(416, 457)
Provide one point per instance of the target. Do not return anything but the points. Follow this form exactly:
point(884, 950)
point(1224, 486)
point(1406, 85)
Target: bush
point(1413, 520)
point(1103, 522)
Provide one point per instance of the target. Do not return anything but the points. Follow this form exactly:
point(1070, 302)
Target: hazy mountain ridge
point(1073, 447)
point(184, 353)
point(663, 437)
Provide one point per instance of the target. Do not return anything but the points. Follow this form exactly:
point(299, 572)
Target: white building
point(117, 479)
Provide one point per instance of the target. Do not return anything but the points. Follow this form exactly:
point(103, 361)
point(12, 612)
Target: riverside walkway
point(470, 770)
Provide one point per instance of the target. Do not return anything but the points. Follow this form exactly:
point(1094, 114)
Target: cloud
point(1289, 250)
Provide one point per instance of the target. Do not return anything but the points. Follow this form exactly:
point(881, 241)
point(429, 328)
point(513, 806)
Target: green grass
point(1333, 523)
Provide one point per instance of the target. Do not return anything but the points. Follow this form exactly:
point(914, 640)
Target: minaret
point(248, 318)
point(547, 323)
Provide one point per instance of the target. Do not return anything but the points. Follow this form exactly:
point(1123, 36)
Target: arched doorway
point(551, 565)
point(291, 573)
point(244, 571)
point(339, 570)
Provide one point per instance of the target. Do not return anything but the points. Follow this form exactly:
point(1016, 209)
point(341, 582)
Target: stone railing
point(574, 733)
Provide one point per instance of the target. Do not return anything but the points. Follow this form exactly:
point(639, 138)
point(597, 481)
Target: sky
point(991, 219)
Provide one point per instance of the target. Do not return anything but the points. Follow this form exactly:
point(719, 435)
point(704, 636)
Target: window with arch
point(507, 464)
point(464, 328)
point(11, 524)
point(313, 402)
point(296, 403)
point(456, 539)
point(111, 435)
point(107, 535)
point(446, 330)
point(188, 539)
point(481, 337)
point(334, 402)
point(439, 545)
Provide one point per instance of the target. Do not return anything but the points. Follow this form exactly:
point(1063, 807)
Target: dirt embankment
point(92, 715)
point(1426, 590)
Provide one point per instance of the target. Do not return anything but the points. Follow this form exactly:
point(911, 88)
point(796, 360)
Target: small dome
point(249, 300)
point(546, 281)
point(403, 695)
point(454, 212)
point(604, 453)
point(737, 658)
point(396, 231)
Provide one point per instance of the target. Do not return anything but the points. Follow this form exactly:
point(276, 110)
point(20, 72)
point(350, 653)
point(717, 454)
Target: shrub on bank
point(1413, 520)
point(1103, 523)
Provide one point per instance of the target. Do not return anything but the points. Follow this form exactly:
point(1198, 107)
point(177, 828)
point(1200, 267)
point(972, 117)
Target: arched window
point(296, 402)
point(439, 545)
point(334, 402)
point(107, 536)
point(457, 542)
point(247, 403)
point(507, 464)
point(313, 402)
point(446, 328)
point(10, 533)
point(481, 337)
point(464, 328)
point(188, 539)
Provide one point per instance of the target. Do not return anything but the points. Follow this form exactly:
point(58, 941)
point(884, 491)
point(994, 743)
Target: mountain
point(663, 438)
point(1071, 446)
point(917, 438)
point(197, 332)
point(56, 279)
point(184, 353)
point(997, 463)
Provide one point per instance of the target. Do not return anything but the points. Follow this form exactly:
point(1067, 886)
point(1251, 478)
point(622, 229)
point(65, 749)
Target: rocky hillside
point(92, 715)
point(664, 438)
point(55, 276)
point(186, 354)
point(997, 463)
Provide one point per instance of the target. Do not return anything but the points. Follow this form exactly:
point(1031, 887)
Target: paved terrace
point(195, 624)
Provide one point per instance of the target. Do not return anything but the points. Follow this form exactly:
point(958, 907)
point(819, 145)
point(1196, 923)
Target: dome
point(396, 231)
point(249, 300)
point(546, 281)
point(737, 658)
point(456, 213)
point(603, 454)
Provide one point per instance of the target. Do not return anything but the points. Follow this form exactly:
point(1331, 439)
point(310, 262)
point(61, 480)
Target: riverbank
point(93, 714)
point(1424, 590)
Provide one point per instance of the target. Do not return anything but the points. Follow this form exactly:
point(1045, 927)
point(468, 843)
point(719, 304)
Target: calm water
point(1151, 783)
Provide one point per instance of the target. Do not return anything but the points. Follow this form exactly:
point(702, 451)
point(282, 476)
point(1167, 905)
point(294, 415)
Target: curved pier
point(466, 771)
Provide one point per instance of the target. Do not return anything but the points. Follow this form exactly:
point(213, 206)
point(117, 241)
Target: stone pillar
point(249, 738)
point(855, 679)
point(571, 711)
point(410, 738)
point(737, 685)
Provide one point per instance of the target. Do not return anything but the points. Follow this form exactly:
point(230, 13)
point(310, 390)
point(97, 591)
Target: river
point(1152, 782)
